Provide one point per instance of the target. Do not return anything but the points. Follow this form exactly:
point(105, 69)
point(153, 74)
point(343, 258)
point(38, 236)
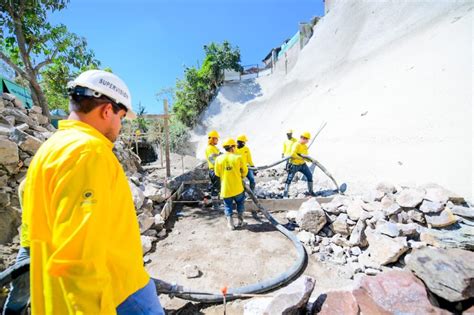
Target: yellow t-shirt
point(287, 146)
point(298, 148)
point(211, 154)
point(86, 253)
point(244, 152)
point(231, 169)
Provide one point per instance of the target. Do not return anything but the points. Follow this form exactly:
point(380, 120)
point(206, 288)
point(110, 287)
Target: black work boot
point(310, 189)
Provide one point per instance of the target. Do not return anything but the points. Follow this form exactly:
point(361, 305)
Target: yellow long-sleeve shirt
point(287, 146)
point(86, 254)
point(231, 169)
point(244, 152)
point(298, 148)
point(211, 154)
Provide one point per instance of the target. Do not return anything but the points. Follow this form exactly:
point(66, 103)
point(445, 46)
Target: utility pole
point(167, 138)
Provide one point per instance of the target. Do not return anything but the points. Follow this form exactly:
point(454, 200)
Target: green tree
point(193, 93)
point(30, 45)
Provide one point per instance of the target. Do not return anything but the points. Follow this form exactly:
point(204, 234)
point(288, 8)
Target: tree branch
point(20, 71)
point(45, 62)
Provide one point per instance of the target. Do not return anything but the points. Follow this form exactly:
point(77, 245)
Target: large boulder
point(449, 273)
point(355, 210)
point(311, 217)
point(25, 141)
point(358, 236)
point(291, 300)
point(154, 193)
point(391, 292)
point(458, 236)
point(385, 249)
point(411, 198)
point(340, 225)
point(442, 219)
point(137, 194)
point(9, 157)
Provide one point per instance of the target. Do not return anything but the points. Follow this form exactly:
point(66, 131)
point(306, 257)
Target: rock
point(431, 206)
point(416, 216)
point(306, 237)
point(154, 193)
point(415, 245)
point(384, 249)
point(389, 229)
point(256, 306)
point(372, 206)
point(291, 299)
point(386, 187)
point(145, 222)
point(394, 292)
point(392, 209)
point(449, 273)
point(8, 154)
point(18, 117)
point(354, 210)
point(458, 236)
point(356, 251)
point(410, 198)
point(442, 219)
point(371, 271)
point(340, 225)
point(291, 215)
point(336, 302)
point(469, 311)
point(147, 243)
point(192, 271)
point(36, 109)
point(409, 229)
point(26, 142)
point(373, 195)
point(137, 194)
point(334, 205)
point(437, 194)
point(311, 217)
point(358, 236)
point(465, 212)
point(159, 222)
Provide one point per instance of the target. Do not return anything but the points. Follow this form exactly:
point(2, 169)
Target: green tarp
point(22, 94)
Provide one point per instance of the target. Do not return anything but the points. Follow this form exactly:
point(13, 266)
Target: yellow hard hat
point(242, 138)
point(289, 131)
point(229, 142)
point(306, 134)
point(213, 134)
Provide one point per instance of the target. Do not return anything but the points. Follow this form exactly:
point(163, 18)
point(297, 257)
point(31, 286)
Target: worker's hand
point(255, 172)
point(176, 289)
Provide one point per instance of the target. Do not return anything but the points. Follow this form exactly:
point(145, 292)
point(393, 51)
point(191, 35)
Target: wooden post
point(161, 152)
point(167, 138)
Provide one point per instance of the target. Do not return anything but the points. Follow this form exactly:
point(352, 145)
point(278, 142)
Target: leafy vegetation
point(194, 92)
point(45, 56)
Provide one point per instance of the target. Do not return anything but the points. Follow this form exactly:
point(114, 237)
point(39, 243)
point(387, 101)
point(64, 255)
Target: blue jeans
point(303, 168)
point(143, 302)
point(229, 202)
point(251, 178)
point(19, 294)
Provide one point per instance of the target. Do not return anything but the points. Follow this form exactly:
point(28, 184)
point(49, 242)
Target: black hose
point(260, 287)
point(322, 168)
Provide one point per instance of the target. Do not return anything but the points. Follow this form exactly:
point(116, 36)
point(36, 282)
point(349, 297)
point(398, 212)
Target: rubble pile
point(428, 230)
point(22, 131)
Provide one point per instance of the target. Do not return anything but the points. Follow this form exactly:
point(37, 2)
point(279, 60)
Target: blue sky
point(147, 43)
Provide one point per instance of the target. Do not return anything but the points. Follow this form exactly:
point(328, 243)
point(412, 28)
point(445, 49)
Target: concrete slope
point(393, 79)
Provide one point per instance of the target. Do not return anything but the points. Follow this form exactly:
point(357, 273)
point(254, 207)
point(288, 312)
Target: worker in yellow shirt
point(82, 230)
point(212, 152)
point(244, 152)
point(287, 147)
point(288, 143)
point(231, 169)
point(298, 164)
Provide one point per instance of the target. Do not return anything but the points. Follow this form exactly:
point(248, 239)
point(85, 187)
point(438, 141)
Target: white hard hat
point(105, 83)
